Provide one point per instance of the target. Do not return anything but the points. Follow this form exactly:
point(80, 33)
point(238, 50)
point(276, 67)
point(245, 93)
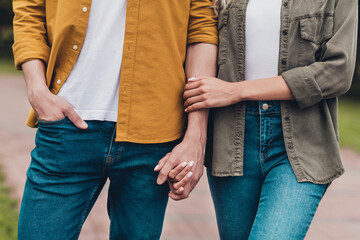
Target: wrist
point(37, 91)
point(241, 92)
point(195, 137)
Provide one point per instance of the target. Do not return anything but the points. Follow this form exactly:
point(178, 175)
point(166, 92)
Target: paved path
point(337, 218)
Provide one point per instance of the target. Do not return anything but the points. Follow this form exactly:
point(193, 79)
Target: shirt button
point(283, 62)
point(285, 32)
point(287, 118)
point(286, 4)
point(290, 147)
point(58, 81)
point(75, 47)
point(265, 106)
point(84, 9)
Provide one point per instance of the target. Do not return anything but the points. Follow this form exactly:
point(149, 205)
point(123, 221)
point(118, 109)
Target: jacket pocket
point(223, 36)
point(314, 32)
point(317, 29)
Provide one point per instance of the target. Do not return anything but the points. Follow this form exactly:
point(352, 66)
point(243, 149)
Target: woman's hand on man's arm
point(207, 92)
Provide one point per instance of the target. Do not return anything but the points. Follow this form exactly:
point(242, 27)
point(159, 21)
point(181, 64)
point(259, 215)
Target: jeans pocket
point(55, 122)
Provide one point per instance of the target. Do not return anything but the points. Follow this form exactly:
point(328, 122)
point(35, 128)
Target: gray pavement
point(337, 218)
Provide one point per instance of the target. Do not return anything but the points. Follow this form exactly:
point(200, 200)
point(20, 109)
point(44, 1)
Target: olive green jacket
point(317, 60)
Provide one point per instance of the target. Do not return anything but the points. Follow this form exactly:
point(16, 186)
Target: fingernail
point(84, 125)
point(184, 164)
point(186, 110)
point(156, 167)
point(191, 78)
point(189, 174)
point(191, 163)
point(181, 189)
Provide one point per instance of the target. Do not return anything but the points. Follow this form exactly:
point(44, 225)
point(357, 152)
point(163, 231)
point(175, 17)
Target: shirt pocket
point(223, 36)
point(314, 33)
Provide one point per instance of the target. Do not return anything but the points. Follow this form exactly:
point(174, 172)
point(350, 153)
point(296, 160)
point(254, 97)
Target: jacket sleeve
point(202, 23)
point(332, 76)
point(30, 36)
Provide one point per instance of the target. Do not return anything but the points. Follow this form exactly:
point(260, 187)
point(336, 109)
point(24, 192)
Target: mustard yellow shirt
point(152, 73)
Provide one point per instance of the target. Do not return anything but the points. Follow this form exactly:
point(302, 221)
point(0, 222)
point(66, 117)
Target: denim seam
point(271, 137)
point(83, 215)
point(119, 154)
point(261, 155)
point(110, 147)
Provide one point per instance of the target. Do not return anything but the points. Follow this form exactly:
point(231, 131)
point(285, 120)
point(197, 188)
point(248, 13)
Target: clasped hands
point(183, 166)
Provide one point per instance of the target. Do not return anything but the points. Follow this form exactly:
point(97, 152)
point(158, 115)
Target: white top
point(262, 39)
point(93, 84)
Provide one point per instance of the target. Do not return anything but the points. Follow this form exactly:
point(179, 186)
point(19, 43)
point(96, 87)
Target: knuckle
point(172, 159)
point(67, 107)
point(161, 174)
point(172, 175)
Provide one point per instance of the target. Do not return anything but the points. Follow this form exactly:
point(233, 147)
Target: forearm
point(200, 60)
point(34, 74)
point(263, 89)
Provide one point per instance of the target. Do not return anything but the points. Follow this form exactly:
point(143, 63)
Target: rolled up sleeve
point(30, 36)
point(202, 23)
point(332, 76)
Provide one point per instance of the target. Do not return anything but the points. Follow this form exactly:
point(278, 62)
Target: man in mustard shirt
point(105, 80)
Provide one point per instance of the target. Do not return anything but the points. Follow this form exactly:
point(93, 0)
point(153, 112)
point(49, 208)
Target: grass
point(349, 124)
point(7, 66)
point(8, 213)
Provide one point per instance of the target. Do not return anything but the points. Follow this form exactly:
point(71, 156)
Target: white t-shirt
point(93, 84)
point(263, 19)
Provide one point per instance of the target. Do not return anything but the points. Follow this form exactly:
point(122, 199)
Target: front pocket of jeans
point(55, 122)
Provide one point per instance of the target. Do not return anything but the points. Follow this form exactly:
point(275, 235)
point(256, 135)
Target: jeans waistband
point(263, 107)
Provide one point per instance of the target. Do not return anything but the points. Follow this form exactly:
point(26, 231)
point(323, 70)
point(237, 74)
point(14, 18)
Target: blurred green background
point(349, 118)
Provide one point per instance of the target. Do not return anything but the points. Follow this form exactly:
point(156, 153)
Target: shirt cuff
point(303, 86)
point(26, 52)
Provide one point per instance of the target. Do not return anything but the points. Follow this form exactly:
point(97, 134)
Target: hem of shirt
point(98, 115)
point(149, 141)
point(314, 181)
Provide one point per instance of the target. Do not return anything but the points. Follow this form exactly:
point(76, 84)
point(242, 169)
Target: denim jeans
point(266, 202)
point(68, 169)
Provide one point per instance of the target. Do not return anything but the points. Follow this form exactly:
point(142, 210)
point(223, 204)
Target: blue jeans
point(68, 169)
point(266, 202)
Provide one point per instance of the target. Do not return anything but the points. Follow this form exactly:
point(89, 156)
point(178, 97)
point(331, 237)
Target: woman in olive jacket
point(273, 143)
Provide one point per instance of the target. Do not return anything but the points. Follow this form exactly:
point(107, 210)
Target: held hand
point(179, 176)
point(49, 107)
point(207, 92)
